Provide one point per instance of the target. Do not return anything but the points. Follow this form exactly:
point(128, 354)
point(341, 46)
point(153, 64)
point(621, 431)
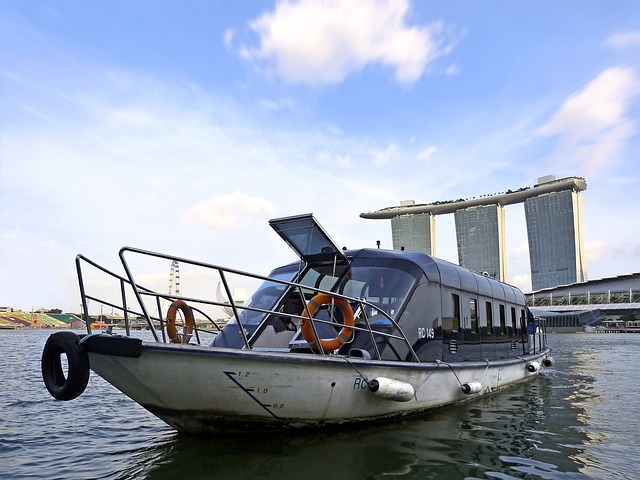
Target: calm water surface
point(578, 420)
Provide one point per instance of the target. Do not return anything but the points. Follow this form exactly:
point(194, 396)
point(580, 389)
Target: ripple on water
point(570, 423)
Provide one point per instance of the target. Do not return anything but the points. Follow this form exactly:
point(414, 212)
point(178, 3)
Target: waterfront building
point(414, 232)
point(556, 242)
point(590, 304)
point(553, 210)
point(481, 240)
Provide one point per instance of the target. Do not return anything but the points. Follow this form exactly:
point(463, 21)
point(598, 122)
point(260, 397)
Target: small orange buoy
point(172, 331)
point(345, 334)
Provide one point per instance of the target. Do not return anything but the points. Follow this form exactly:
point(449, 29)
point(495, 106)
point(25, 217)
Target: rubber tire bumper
point(59, 386)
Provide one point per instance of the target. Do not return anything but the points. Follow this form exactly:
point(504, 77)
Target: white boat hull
point(203, 389)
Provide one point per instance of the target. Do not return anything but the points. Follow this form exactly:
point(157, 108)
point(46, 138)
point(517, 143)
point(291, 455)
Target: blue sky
point(184, 126)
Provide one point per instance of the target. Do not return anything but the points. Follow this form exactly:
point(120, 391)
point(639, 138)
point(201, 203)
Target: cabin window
point(265, 298)
point(473, 314)
point(489, 317)
point(503, 321)
point(456, 312)
point(514, 326)
point(313, 278)
point(386, 286)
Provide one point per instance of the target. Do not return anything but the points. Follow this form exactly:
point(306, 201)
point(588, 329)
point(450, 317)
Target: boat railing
point(136, 302)
point(539, 338)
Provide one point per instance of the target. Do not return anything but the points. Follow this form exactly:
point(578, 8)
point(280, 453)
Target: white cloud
point(592, 124)
point(10, 235)
point(382, 157)
point(226, 211)
point(521, 251)
point(159, 182)
point(343, 161)
point(320, 42)
point(452, 70)
point(627, 251)
point(523, 282)
point(595, 249)
point(228, 36)
point(426, 153)
point(277, 105)
point(621, 40)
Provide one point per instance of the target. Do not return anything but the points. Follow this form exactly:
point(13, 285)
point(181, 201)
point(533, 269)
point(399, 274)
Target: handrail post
point(124, 308)
point(234, 308)
point(137, 294)
point(85, 309)
point(313, 326)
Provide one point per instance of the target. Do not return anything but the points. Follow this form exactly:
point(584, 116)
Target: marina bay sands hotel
point(553, 211)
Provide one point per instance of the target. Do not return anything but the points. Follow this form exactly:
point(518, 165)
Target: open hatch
point(309, 240)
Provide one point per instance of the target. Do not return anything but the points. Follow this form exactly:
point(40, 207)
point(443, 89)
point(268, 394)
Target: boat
point(337, 337)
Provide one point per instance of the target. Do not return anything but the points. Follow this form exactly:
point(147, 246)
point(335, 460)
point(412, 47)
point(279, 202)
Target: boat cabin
point(406, 306)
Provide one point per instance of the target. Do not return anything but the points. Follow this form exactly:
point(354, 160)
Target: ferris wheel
point(174, 278)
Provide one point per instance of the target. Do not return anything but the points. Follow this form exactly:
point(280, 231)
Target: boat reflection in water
point(338, 337)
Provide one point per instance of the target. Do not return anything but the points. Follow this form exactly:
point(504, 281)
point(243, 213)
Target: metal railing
point(588, 298)
point(136, 301)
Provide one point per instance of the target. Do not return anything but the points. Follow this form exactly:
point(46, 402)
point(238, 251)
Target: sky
point(184, 126)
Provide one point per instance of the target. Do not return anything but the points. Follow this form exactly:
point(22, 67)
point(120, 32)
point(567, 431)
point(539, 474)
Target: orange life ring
point(345, 334)
point(172, 331)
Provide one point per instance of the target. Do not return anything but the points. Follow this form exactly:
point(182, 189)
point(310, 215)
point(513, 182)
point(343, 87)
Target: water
point(577, 421)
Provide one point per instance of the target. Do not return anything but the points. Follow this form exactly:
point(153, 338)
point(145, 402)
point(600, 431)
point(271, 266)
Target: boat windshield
point(384, 284)
point(265, 297)
point(263, 300)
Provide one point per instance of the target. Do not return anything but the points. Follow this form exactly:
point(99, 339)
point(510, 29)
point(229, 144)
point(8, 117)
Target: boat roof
point(315, 247)
point(440, 271)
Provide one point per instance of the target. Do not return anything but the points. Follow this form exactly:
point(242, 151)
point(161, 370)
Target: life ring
point(312, 307)
point(74, 383)
point(172, 331)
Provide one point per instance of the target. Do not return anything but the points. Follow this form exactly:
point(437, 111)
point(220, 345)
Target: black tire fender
point(77, 378)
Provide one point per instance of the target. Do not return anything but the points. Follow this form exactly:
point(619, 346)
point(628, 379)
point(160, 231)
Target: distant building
point(591, 303)
point(414, 232)
point(481, 240)
point(556, 242)
point(553, 210)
